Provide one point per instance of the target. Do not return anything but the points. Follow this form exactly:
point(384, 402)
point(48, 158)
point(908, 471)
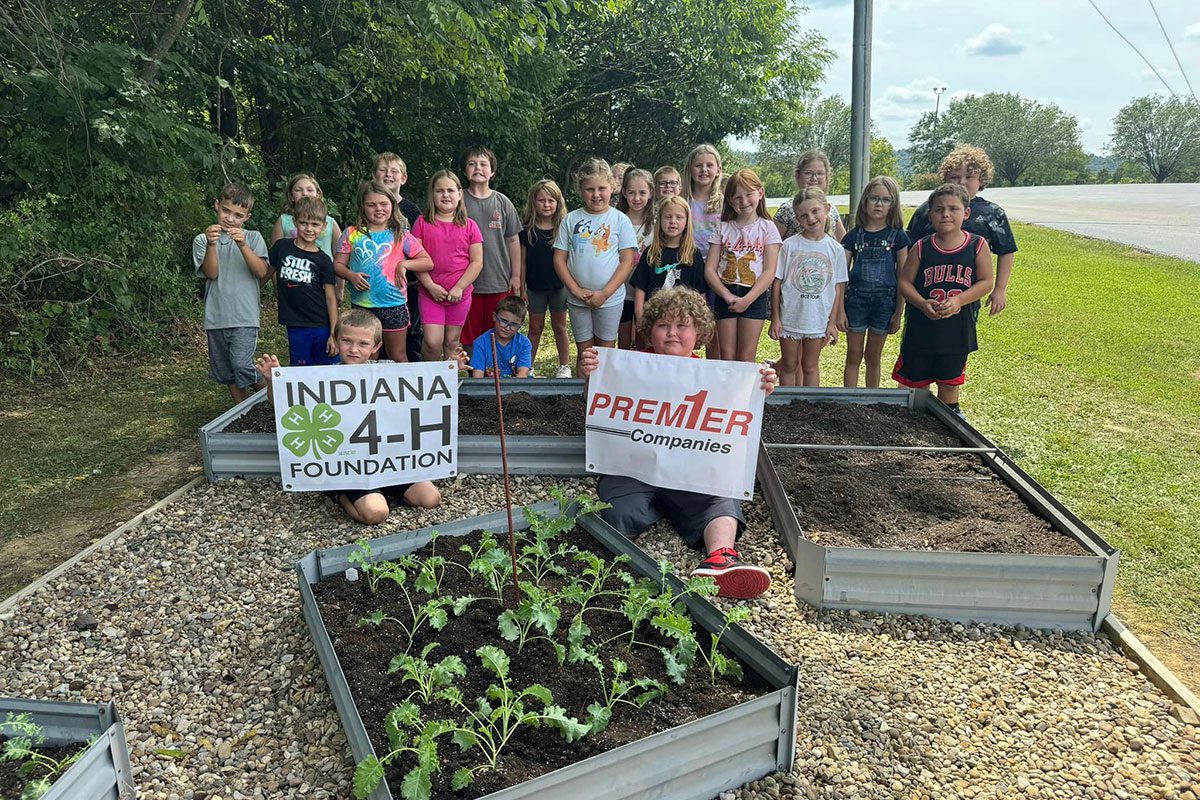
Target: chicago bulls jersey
point(943, 274)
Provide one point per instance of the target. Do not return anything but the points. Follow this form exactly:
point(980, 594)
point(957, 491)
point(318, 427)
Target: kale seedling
point(718, 662)
point(406, 734)
point(538, 610)
point(429, 678)
point(637, 692)
point(491, 723)
point(24, 737)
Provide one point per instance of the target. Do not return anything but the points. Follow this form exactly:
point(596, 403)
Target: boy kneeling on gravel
point(674, 321)
point(359, 336)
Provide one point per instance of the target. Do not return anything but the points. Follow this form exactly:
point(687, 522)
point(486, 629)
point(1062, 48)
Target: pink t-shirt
point(449, 246)
point(742, 249)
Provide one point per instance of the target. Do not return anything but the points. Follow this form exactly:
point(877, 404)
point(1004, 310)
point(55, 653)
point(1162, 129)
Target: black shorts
point(392, 318)
point(390, 493)
point(918, 370)
point(759, 309)
point(636, 506)
point(627, 312)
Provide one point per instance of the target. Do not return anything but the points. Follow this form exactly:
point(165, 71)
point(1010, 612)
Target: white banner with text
point(675, 423)
point(365, 426)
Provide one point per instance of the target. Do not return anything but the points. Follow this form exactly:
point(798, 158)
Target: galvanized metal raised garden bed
point(1038, 591)
point(527, 455)
point(103, 772)
point(238, 455)
point(697, 760)
point(256, 456)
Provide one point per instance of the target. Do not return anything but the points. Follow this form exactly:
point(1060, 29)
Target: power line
point(1132, 45)
point(1171, 45)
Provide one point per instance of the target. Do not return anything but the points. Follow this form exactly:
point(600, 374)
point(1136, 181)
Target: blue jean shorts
point(869, 309)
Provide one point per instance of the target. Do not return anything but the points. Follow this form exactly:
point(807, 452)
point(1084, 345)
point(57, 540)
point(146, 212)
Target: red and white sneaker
point(734, 579)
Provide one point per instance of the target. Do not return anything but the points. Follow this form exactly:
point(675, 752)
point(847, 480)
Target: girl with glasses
point(812, 169)
point(876, 246)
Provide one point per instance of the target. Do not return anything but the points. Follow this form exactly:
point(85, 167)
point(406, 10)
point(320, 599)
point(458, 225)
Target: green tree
point(1016, 132)
point(1161, 134)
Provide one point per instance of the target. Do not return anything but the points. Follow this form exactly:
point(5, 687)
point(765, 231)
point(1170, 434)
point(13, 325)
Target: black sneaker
point(734, 579)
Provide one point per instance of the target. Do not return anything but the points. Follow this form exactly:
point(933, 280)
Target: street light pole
point(937, 90)
point(860, 102)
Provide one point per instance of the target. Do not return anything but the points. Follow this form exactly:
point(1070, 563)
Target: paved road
point(1163, 218)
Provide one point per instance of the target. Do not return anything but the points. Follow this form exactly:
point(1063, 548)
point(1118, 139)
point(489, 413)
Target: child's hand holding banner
point(365, 426)
point(675, 423)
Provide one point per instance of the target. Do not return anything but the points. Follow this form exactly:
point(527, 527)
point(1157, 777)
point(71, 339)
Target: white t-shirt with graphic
point(741, 262)
point(810, 272)
point(594, 243)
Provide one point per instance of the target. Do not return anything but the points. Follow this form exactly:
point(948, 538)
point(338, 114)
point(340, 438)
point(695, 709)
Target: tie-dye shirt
point(375, 253)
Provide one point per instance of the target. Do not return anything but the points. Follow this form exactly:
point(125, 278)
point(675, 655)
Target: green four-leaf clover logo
point(316, 429)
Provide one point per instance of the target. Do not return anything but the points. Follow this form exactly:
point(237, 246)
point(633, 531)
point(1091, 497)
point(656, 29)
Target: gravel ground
point(206, 653)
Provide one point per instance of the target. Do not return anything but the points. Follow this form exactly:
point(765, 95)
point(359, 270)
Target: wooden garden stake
point(512, 536)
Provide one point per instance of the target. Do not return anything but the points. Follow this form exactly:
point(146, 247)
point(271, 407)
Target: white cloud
point(1149, 75)
point(915, 93)
point(994, 40)
point(1192, 31)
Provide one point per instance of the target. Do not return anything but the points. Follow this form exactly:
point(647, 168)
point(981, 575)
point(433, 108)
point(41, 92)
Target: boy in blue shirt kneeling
point(514, 349)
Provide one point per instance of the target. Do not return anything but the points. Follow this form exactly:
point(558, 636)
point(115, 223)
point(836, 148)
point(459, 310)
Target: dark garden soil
point(13, 781)
point(259, 419)
point(364, 653)
point(912, 501)
point(524, 415)
point(826, 422)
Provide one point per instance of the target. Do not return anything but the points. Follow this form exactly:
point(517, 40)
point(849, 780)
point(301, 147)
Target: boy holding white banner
point(358, 336)
point(673, 322)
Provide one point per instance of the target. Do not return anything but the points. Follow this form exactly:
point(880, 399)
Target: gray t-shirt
point(230, 301)
point(497, 220)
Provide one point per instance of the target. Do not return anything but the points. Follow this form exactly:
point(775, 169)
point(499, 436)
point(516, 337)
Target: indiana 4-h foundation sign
point(366, 426)
point(675, 423)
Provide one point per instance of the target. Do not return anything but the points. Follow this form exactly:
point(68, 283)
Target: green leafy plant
point(430, 678)
point(718, 662)
point(618, 689)
point(364, 558)
point(24, 738)
point(432, 612)
point(492, 563)
point(407, 734)
point(537, 611)
point(490, 724)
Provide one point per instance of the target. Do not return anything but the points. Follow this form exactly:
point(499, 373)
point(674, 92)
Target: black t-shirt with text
point(669, 272)
point(943, 274)
point(985, 219)
point(300, 280)
point(539, 260)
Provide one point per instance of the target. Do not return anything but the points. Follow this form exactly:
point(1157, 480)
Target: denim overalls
point(871, 294)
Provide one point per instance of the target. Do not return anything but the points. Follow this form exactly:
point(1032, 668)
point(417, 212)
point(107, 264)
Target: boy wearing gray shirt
point(232, 261)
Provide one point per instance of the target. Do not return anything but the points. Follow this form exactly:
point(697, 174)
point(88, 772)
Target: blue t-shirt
point(514, 355)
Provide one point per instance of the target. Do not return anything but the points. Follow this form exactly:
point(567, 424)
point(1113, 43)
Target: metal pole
point(860, 102)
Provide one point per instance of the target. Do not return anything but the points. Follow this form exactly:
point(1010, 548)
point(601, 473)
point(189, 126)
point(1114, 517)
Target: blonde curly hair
point(969, 158)
point(680, 303)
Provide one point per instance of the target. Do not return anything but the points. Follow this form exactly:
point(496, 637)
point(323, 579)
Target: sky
point(1057, 51)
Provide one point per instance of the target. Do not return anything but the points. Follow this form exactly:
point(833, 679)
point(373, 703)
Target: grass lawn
point(1090, 379)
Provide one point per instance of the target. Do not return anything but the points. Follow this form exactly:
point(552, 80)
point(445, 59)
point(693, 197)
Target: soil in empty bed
point(524, 415)
point(825, 422)
point(364, 653)
point(259, 418)
point(912, 501)
point(13, 781)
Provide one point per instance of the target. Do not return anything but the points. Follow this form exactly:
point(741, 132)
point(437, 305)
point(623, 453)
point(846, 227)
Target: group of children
point(663, 262)
point(443, 272)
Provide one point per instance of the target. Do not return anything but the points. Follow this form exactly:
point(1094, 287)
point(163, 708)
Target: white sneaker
point(564, 371)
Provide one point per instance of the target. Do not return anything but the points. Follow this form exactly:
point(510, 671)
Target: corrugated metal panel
point(893, 397)
point(697, 760)
point(527, 455)
point(103, 772)
point(538, 387)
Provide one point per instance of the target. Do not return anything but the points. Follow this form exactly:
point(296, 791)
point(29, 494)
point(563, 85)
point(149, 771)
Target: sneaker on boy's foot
point(564, 371)
point(734, 579)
